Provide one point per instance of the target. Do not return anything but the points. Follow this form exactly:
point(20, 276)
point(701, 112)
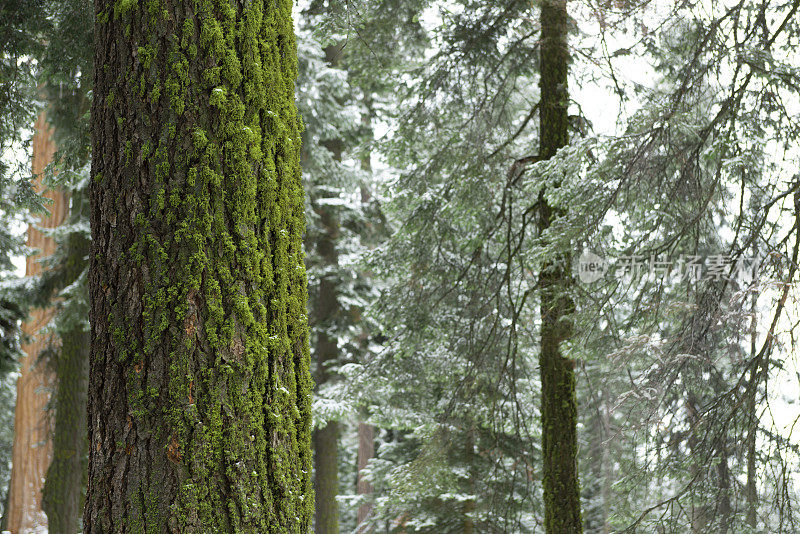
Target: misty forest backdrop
point(550, 249)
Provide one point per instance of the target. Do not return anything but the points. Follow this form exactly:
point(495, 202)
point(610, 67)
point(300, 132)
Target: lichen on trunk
point(559, 406)
point(199, 398)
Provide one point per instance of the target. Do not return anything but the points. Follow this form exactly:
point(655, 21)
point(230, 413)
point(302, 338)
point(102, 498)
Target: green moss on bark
point(559, 407)
point(208, 310)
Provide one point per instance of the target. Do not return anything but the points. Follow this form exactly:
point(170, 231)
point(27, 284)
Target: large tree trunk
point(559, 407)
point(200, 390)
point(32, 446)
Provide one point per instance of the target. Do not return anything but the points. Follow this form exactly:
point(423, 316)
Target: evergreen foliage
point(439, 232)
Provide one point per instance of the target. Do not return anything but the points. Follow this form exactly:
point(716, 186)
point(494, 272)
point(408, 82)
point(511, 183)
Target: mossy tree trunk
point(559, 407)
point(199, 395)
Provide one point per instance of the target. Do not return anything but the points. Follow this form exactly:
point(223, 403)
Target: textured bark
point(559, 407)
point(199, 395)
point(32, 446)
point(366, 451)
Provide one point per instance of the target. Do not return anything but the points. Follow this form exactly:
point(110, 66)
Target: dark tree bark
point(199, 396)
point(326, 439)
point(559, 407)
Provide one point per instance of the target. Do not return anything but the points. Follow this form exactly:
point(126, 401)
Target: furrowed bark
point(199, 397)
point(559, 407)
point(32, 446)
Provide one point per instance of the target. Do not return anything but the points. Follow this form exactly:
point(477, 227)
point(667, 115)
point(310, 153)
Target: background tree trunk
point(751, 413)
point(64, 487)
point(326, 311)
point(559, 407)
point(200, 390)
point(366, 450)
point(596, 490)
point(32, 446)
point(366, 432)
point(63, 492)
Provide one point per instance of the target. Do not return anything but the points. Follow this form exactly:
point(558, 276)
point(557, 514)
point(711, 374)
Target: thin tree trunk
point(751, 492)
point(724, 508)
point(470, 505)
point(559, 407)
point(366, 432)
point(200, 391)
point(607, 474)
point(596, 491)
point(366, 451)
point(32, 445)
point(699, 508)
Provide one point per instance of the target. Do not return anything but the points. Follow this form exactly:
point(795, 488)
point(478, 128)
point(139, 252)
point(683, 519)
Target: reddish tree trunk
point(366, 450)
point(32, 446)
